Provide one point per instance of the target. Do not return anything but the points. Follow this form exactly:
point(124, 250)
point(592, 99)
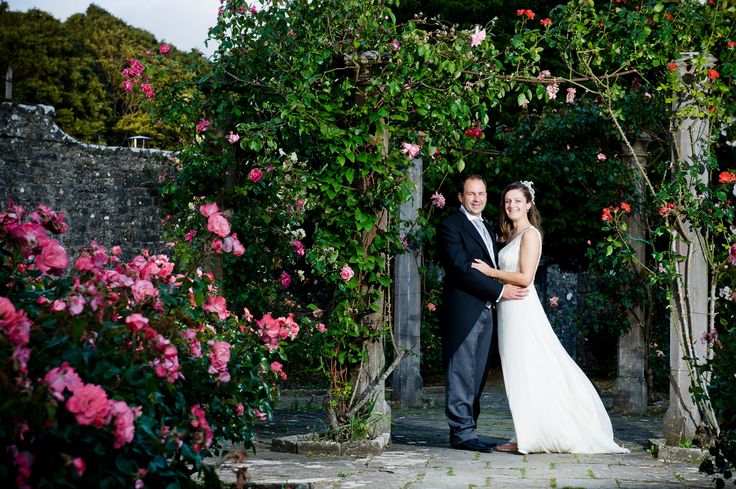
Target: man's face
point(473, 197)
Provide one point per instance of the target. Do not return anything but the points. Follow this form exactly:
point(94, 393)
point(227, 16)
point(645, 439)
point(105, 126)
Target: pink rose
point(260, 415)
point(62, 378)
point(124, 422)
point(217, 223)
point(53, 258)
point(90, 406)
point(278, 369)
point(164, 49)
point(58, 306)
point(208, 210)
point(219, 357)
point(477, 37)
point(269, 325)
point(218, 305)
point(346, 272)
point(254, 175)
point(285, 280)
point(147, 90)
point(79, 466)
point(410, 150)
point(203, 125)
point(238, 248)
point(143, 290)
point(298, 247)
point(136, 322)
point(438, 200)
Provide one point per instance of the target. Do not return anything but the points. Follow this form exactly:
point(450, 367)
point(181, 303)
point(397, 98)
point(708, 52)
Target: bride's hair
point(504, 223)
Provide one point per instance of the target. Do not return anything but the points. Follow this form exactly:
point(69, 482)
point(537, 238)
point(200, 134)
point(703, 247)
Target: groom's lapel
point(470, 227)
point(491, 234)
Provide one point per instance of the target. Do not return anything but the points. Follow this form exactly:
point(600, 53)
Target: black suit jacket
point(466, 291)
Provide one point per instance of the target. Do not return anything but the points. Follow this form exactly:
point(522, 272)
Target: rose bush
point(121, 373)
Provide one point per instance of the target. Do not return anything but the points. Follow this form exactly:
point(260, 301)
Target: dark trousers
point(465, 377)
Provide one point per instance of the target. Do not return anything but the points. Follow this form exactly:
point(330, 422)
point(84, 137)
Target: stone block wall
point(108, 194)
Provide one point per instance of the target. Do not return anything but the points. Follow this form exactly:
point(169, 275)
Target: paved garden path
point(420, 455)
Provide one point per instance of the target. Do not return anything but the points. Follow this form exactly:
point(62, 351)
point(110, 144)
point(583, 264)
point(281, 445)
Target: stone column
point(407, 380)
point(630, 387)
point(689, 318)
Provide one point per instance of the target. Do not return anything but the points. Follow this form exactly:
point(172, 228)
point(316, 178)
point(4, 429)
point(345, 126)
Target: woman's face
point(515, 204)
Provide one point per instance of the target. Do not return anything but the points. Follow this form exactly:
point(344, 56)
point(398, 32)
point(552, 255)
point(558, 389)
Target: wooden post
point(9, 83)
point(630, 387)
point(407, 379)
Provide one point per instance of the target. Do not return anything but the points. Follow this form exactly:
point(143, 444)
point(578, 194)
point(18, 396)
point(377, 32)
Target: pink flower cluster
point(218, 305)
point(16, 325)
point(134, 77)
point(103, 290)
point(278, 369)
point(298, 247)
point(203, 125)
point(410, 150)
point(23, 462)
point(218, 224)
point(477, 37)
point(202, 438)
point(219, 356)
point(30, 230)
point(272, 330)
point(438, 200)
point(90, 405)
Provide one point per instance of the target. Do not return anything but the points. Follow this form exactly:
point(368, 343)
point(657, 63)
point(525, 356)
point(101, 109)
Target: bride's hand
point(482, 267)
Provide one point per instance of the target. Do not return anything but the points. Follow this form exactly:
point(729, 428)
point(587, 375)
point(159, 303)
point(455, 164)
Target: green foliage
point(76, 67)
point(327, 100)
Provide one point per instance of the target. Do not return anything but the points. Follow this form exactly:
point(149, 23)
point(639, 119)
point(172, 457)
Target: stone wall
point(109, 194)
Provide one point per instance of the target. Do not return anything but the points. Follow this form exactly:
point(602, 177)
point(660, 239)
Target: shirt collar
point(470, 216)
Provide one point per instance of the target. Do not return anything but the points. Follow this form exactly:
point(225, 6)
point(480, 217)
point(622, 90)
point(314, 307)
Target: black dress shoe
point(474, 445)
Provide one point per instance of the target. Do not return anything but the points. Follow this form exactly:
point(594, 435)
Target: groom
point(467, 315)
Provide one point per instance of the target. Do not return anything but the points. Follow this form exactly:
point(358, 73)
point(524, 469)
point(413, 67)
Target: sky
point(183, 23)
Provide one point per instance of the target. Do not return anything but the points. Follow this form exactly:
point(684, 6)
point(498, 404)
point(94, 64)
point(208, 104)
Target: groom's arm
point(457, 261)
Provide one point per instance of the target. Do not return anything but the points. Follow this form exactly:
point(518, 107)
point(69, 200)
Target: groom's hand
point(514, 292)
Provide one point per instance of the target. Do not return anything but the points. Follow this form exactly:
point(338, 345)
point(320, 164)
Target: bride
point(554, 406)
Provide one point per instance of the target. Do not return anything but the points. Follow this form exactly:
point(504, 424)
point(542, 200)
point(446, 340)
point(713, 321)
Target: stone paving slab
point(420, 456)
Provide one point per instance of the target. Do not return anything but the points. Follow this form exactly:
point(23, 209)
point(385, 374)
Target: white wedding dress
point(554, 406)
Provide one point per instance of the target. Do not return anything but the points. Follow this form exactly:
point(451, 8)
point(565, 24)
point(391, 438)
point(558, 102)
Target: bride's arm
point(531, 245)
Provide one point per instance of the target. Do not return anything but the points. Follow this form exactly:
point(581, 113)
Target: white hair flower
point(528, 184)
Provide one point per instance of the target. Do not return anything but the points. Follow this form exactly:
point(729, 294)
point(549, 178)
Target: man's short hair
point(469, 176)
